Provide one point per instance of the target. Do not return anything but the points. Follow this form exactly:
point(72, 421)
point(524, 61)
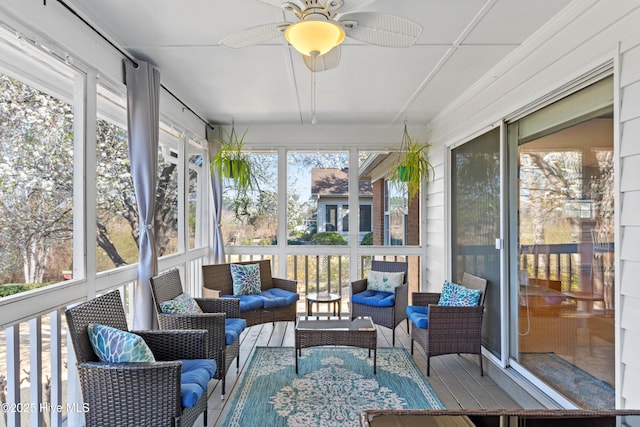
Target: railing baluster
point(340, 276)
point(306, 275)
point(317, 273)
point(329, 287)
point(13, 374)
point(55, 390)
point(35, 371)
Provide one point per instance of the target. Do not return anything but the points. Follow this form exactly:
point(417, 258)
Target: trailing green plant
point(232, 162)
point(412, 165)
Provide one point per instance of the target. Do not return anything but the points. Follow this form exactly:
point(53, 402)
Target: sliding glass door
point(562, 268)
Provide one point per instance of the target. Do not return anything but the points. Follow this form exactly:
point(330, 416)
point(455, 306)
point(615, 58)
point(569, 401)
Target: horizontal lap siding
point(630, 227)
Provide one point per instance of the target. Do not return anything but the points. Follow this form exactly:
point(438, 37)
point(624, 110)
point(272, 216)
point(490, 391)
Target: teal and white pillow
point(245, 279)
point(182, 304)
point(384, 280)
point(113, 345)
point(454, 295)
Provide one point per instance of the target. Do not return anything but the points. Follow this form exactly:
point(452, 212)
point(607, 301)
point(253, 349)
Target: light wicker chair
point(388, 317)
point(450, 329)
point(133, 394)
point(168, 285)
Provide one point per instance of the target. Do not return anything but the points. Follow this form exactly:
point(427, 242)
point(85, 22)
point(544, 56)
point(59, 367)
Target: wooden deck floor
point(455, 379)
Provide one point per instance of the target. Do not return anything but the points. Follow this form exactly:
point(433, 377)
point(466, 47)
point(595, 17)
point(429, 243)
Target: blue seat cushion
point(276, 297)
point(248, 302)
point(196, 374)
point(233, 327)
point(418, 315)
point(374, 298)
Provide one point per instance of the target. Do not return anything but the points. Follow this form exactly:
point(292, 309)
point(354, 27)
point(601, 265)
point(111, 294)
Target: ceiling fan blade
point(254, 35)
point(343, 6)
point(274, 3)
point(324, 62)
point(380, 29)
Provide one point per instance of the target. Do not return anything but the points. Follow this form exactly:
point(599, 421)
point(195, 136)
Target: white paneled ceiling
point(268, 84)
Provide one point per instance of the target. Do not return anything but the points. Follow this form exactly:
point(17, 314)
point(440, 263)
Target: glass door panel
point(562, 299)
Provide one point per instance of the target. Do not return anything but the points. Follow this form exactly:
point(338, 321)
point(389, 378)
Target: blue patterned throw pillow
point(454, 295)
point(113, 345)
point(384, 281)
point(182, 304)
point(245, 278)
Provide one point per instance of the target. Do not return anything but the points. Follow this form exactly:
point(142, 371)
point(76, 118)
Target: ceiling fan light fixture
point(313, 37)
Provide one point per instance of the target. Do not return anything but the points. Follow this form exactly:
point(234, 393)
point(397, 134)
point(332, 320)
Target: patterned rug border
point(296, 400)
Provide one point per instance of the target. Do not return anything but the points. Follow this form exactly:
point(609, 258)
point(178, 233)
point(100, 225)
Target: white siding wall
point(629, 193)
point(586, 36)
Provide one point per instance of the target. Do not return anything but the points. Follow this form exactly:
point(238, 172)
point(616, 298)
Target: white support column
point(282, 212)
point(354, 214)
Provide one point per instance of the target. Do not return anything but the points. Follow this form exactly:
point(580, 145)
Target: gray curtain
point(217, 246)
point(143, 99)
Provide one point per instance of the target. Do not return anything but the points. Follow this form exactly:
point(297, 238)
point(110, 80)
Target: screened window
point(116, 207)
point(196, 195)
point(386, 215)
point(167, 208)
point(251, 217)
point(318, 187)
point(37, 170)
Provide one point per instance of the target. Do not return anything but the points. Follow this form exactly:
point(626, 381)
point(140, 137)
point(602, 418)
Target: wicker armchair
point(388, 317)
point(450, 329)
point(133, 394)
point(216, 311)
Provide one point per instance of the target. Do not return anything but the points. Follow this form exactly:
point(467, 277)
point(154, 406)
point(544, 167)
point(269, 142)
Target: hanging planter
point(412, 165)
point(406, 173)
point(232, 163)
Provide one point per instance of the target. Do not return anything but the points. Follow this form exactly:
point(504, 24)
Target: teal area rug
point(577, 385)
point(333, 385)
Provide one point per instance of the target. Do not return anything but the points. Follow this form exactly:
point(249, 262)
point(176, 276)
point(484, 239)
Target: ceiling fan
point(322, 26)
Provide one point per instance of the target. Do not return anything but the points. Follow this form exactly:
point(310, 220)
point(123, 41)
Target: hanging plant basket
point(232, 163)
point(412, 165)
point(406, 173)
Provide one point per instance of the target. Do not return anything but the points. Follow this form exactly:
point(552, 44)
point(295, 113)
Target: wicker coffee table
point(315, 331)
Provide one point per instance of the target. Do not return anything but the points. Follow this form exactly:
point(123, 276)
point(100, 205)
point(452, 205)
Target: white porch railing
point(38, 386)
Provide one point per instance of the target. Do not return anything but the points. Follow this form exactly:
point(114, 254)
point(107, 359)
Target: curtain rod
point(125, 54)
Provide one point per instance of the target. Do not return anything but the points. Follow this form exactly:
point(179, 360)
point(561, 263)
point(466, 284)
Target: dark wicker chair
point(217, 277)
point(133, 394)
point(167, 286)
point(388, 317)
point(450, 329)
